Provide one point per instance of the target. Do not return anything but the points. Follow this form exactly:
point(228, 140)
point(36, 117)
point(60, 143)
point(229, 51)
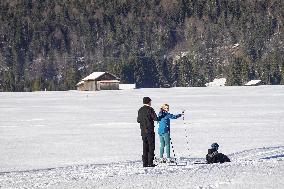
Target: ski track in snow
point(254, 168)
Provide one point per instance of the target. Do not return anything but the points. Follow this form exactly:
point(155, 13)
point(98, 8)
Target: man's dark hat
point(146, 100)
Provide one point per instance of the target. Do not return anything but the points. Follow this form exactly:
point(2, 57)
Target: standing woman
point(164, 130)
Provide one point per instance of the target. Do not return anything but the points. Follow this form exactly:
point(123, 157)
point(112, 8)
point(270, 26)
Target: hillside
point(51, 45)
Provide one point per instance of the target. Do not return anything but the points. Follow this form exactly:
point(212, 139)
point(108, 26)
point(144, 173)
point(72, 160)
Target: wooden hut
point(80, 86)
point(99, 81)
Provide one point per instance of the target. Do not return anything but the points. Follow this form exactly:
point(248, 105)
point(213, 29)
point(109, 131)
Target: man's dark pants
point(148, 149)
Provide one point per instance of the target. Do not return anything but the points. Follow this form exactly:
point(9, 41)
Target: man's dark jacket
point(146, 118)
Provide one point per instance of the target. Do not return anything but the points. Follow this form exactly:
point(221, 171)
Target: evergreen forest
point(53, 44)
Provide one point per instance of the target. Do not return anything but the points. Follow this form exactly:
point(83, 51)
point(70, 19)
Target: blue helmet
point(215, 146)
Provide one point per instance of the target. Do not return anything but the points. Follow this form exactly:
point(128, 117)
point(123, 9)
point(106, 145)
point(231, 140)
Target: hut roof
point(80, 83)
point(109, 81)
point(253, 82)
point(217, 82)
point(93, 76)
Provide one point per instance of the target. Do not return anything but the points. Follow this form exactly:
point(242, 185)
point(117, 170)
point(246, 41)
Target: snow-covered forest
point(51, 44)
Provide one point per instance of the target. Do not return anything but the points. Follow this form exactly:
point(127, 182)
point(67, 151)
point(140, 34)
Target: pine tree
point(235, 77)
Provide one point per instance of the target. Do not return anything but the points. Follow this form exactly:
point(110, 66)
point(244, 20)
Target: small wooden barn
point(99, 81)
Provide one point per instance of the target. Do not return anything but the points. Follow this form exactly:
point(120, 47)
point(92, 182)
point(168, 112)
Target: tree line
point(51, 45)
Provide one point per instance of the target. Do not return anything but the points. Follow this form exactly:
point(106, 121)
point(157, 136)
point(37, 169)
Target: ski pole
point(187, 140)
point(173, 151)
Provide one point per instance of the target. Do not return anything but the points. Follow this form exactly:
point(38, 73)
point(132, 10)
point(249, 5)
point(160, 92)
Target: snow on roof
point(109, 81)
point(93, 76)
point(216, 82)
point(80, 83)
point(253, 82)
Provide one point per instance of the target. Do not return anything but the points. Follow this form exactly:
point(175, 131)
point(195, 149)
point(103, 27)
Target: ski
point(179, 162)
point(199, 162)
point(172, 162)
point(183, 163)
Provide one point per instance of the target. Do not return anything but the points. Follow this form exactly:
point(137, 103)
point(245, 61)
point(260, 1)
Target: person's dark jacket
point(146, 118)
point(214, 156)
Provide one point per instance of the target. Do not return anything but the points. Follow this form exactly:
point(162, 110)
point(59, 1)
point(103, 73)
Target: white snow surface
point(77, 139)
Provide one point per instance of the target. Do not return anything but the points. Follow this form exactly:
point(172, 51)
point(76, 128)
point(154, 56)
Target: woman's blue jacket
point(164, 124)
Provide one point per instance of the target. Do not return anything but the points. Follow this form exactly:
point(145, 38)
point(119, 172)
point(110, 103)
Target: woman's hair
point(164, 107)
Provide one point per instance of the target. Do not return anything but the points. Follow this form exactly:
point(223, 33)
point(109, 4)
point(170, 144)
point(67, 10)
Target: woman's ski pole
point(173, 149)
point(187, 140)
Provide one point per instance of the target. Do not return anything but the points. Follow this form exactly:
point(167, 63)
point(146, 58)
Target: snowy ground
point(91, 139)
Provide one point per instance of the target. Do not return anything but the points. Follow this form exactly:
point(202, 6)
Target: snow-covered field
point(91, 139)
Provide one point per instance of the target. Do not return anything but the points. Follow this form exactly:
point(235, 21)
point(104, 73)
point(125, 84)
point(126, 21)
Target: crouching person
point(214, 156)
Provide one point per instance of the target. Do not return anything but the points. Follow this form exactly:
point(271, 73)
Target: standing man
point(146, 118)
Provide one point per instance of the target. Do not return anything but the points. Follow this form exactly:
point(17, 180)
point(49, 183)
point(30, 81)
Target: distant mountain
point(51, 44)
